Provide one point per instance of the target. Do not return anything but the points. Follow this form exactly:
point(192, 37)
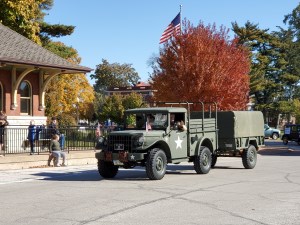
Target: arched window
point(1, 97)
point(26, 98)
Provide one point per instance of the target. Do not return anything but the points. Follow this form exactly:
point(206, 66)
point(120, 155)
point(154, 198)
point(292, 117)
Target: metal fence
point(15, 139)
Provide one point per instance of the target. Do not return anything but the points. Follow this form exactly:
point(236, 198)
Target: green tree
point(113, 109)
point(114, 75)
point(268, 74)
point(115, 105)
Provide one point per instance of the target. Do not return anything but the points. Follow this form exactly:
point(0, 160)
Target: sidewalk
point(25, 161)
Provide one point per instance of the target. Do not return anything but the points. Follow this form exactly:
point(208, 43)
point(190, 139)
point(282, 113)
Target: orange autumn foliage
point(202, 64)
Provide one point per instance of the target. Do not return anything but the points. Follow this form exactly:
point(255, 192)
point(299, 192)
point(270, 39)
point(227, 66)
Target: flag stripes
point(174, 28)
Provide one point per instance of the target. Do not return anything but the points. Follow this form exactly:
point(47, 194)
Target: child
point(55, 152)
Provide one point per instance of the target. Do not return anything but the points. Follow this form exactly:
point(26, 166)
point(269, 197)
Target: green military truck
point(209, 134)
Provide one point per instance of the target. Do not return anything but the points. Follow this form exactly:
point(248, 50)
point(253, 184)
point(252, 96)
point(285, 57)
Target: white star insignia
point(132, 157)
point(178, 142)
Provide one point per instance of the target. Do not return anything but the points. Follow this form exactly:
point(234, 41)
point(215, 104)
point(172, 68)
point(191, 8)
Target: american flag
point(173, 28)
point(98, 130)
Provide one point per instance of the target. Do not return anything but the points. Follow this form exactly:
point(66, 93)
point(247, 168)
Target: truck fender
point(163, 146)
point(253, 141)
point(203, 142)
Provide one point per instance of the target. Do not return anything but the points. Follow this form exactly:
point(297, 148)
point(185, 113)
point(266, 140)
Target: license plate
point(117, 163)
point(119, 147)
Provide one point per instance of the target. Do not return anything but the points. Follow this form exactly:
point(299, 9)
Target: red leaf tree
point(203, 64)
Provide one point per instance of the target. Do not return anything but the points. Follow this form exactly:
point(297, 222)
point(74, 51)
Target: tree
point(115, 105)
point(23, 17)
point(69, 94)
point(267, 63)
point(114, 75)
point(27, 18)
point(202, 64)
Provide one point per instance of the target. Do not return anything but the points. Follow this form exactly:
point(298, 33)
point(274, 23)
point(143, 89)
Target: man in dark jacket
point(32, 136)
point(53, 129)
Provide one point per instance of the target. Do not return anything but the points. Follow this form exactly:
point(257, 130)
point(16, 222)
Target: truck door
point(177, 137)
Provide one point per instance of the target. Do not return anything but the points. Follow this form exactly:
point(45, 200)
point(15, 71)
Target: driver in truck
point(178, 124)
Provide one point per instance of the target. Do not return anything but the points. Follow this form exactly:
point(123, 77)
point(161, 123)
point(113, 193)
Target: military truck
point(209, 134)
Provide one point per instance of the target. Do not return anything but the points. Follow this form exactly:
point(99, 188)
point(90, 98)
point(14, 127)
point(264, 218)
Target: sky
point(128, 31)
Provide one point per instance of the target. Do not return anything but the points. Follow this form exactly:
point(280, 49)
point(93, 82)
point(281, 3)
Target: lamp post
point(77, 110)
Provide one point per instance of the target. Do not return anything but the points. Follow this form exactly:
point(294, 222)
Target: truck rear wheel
point(107, 169)
point(156, 165)
point(214, 160)
point(249, 157)
point(285, 140)
point(202, 162)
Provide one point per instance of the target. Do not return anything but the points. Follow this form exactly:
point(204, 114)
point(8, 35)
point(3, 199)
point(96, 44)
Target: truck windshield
point(146, 121)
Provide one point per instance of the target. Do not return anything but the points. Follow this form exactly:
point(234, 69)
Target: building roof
point(129, 89)
point(17, 49)
point(141, 83)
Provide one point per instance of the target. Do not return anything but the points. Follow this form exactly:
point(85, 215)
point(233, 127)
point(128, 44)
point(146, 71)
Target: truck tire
point(107, 169)
point(285, 140)
point(156, 165)
point(202, 162)
point(214, 159)
point(249, 157)
point(275, 136)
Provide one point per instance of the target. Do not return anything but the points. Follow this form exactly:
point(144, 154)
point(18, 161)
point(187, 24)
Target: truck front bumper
point(122, 156)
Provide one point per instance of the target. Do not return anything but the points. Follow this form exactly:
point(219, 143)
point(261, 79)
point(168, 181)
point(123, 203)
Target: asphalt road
point(229, 194)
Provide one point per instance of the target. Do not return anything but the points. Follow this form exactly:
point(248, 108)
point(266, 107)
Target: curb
point(16, 162)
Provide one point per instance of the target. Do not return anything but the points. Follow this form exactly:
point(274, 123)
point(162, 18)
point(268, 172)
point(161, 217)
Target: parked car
point(271, 132)
point(291, 133)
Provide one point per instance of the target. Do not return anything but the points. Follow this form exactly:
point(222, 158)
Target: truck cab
point(153, 137)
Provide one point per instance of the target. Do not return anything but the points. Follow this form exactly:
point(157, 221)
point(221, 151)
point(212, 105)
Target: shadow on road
point(135, 174)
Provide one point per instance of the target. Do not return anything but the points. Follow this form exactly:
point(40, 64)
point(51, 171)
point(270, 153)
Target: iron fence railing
point(76, 139)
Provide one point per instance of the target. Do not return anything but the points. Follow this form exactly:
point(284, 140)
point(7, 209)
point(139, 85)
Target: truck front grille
point(114, 140)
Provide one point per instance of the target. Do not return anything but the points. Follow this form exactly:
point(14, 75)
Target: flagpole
point(180, 19)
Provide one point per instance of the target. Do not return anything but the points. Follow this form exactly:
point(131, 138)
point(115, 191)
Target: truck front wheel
point(107, 169)
point(249, 157)
point(202, 162)
point(156, 165)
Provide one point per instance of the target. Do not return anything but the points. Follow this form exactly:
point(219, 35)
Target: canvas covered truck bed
point(237, 129)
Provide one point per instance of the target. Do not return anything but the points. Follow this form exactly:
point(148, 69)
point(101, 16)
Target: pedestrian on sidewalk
point(32, 136)
point(3, 124)
point(53, 128)
point(56, 152)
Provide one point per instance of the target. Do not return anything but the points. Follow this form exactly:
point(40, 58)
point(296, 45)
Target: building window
point(25, 97)
point(1, 97)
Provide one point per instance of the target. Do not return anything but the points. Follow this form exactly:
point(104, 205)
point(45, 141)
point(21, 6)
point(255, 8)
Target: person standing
point(3, 124)
point(32, 136)
point(53, 129)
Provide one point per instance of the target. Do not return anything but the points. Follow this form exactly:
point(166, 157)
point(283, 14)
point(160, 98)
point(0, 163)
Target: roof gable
point(18, 49)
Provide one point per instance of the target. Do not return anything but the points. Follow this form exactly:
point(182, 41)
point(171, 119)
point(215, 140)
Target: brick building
point(141, 88)
point(25, 70)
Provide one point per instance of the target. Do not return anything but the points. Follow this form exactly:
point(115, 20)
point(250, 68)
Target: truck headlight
point(138, 141)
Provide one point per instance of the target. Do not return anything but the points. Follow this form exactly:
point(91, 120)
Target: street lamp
point(77, 111)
